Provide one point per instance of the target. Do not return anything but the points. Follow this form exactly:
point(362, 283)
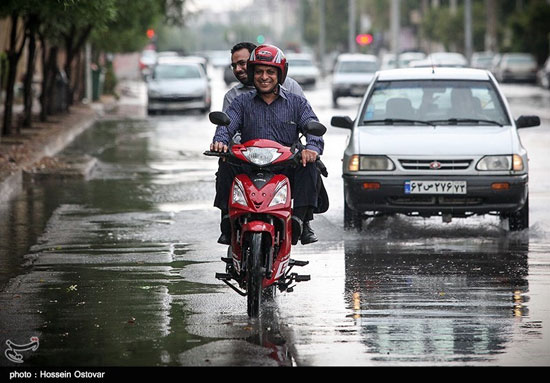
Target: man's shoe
point(225, 228)
point(224, 239)
point(308, 236)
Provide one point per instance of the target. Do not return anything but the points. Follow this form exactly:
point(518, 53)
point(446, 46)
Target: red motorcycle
point(260, 213)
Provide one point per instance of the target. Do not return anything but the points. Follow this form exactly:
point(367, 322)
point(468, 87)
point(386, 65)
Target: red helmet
point(268, 55)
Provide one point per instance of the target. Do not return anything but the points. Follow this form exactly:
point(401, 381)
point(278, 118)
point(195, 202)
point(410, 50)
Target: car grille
point(435, 164)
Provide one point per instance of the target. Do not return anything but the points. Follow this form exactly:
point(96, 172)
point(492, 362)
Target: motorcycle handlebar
point(296, 158)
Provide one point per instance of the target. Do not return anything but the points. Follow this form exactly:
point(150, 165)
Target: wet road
point(118, 270)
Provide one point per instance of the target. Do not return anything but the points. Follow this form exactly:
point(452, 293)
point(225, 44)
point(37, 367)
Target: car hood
point(440, 140)
point(303, 71)
point(178, 87)
point(352, 78)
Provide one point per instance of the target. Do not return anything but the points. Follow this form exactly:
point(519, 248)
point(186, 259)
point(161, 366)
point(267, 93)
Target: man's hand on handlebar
point(308, 156)
point(218, 147)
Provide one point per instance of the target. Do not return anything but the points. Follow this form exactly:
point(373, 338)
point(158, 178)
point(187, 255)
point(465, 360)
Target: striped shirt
point(280, 121)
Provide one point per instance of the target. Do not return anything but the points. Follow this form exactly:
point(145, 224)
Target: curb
point(46, 143)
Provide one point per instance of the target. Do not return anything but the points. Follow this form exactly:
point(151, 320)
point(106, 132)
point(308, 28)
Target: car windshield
point(357, 67)
point(173, 72)
point(299, 62)
point(434, 102)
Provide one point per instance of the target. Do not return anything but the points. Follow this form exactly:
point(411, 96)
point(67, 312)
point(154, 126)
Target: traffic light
point(150, 33)
point(364, 39)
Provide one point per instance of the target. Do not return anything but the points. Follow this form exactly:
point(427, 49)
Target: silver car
point(435, 142)
point(352, 75)
point(178, 84)
point(302, 68)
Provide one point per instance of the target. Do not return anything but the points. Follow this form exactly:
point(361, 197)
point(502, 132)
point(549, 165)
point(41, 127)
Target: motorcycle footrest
point(294, 262)
point(223, 276)
point(302, 278)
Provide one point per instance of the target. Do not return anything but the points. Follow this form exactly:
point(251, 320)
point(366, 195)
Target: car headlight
point(261, 156)
point(372, 163)
point(238, 194)
point(280, 195)
point(489, 163)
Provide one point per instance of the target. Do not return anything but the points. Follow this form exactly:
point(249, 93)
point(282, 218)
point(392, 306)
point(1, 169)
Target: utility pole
point(491, 34)
point(394, 22)
point(351, 25)
point(468, 29)
point(322, 37)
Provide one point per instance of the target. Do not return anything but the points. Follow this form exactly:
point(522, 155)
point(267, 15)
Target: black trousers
point(303, 185)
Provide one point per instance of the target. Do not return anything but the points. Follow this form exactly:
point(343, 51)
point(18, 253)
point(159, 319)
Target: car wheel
point(520, 219)
point(352, 218)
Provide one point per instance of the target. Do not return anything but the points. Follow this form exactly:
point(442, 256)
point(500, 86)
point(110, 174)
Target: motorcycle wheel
point(255, 275)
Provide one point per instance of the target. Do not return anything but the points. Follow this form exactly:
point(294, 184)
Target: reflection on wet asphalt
point(121, 268)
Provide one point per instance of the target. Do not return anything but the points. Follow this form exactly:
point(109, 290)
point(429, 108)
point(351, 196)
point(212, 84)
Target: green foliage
point(529, 31)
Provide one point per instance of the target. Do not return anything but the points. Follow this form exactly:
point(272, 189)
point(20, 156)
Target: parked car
point(405, 58)
point(435, 142)
point(543, 75)
point(302, 68)
point(516, 67)
point(178, 84)
point(352, 75)
point(482, 60)
point(228, 75)
point(441, 59)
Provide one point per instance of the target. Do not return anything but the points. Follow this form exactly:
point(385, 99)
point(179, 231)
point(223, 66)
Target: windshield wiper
point(456, 121)
point(391, 121)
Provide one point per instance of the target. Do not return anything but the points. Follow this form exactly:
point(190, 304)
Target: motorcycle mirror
point(219, 118)
point(315, 128)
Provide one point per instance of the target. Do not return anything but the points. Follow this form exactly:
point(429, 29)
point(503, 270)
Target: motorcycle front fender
point(257, 227)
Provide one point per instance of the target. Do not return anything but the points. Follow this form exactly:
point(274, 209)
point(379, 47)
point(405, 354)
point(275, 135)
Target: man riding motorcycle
point(271, 112)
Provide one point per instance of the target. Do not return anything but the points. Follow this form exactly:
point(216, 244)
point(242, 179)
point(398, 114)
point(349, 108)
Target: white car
point(353, 72)
point(302, 68)
point(441, 59)
point(435, 142)
point(178, 84)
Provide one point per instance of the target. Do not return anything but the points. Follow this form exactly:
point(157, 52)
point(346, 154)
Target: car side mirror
point(342, 122)
point(527, 121)
point(315, 128)
point(219, 118)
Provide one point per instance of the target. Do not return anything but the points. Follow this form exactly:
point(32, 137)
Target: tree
point(12, 9)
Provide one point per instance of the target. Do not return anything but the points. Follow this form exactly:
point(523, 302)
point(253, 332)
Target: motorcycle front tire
point(255, 275)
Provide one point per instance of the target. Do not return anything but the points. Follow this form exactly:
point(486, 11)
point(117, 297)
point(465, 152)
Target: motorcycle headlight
point(261, 156)
point(238, 194)
point(495, 163)
point(280, 195)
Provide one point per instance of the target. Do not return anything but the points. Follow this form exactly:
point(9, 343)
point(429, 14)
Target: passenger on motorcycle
point(270, 112)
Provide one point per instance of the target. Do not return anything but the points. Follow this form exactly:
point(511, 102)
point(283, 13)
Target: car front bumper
point(389, 195)
point(176, 103)
point(349, 90)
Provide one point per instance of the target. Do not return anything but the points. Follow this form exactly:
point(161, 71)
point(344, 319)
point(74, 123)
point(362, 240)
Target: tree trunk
point(73, 45)
point(13, 57)
point(32, 25)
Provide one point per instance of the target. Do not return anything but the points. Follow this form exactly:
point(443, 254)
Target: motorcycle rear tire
point(255, 275)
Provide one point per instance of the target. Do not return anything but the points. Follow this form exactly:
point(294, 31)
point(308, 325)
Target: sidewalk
point(45, 139)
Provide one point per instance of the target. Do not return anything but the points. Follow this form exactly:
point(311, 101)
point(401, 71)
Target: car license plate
point(435, 187)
